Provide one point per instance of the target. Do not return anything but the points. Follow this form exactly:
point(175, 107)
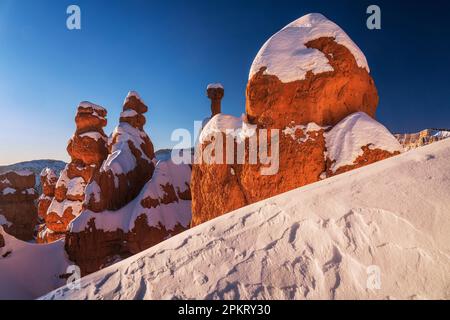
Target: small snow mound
point(345, 140)
point(286, 56)
point(227, 124)
point(215, 86)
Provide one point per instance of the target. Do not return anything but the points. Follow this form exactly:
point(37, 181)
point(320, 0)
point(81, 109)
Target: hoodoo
point(133, 202)
point(87, 149)
point(311, 97)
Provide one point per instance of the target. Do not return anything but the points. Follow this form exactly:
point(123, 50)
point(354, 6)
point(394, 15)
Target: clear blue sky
point(170, 50)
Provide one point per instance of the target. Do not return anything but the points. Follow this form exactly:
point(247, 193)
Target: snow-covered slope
point(27, 270)
point(322, 241)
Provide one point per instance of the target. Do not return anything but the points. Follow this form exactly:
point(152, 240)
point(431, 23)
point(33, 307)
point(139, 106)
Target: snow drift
point(30, 270)
point(321, 241)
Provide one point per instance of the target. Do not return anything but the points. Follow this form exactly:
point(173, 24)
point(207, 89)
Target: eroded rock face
point(18, 211)
point(133, 202)
point(311, 84)
point(87, 149)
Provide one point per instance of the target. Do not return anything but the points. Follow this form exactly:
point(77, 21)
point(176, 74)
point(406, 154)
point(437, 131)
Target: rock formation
point(133, 202)
point(215, 92)
point(48, 184)
point(308, 97)
point(87, 149)
point(129, 164)
point(414, 140)
point(18, 212)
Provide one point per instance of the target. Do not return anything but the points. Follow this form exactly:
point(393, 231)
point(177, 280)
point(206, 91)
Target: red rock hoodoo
point(18, 211)
point(309, 86)
point(87, 149)
point(133, 202)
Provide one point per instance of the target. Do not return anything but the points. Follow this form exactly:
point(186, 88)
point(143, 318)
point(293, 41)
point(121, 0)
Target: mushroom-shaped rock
point(215, 93)
point(310, 71)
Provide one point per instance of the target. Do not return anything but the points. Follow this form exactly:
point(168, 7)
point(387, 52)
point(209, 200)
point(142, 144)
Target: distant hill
point(36, 167)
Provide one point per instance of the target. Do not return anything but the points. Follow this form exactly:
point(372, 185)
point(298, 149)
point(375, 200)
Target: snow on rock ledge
point(286, 56)
point(316, 242)
point(346, 141)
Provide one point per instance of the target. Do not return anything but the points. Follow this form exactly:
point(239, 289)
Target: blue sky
point(170, 51)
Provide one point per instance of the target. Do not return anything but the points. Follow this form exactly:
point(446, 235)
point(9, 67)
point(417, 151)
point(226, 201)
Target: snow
point(214, 86)
point(94, 135)
point(128, 113)
point(5, 181)
point(227, 124)
point(4, 221)
point(29, 191)
point(96, 107)
point(60, 207)
point(306, 129)
point(345, 140)
point(24, 173)
point(76, 186)
point(49, 173)
point(8, 190)
point(30, 270)
point(442, 134)
point(168, 215)
point(321, 241)
point(133, 94)
point(286, 56)
point(121, 159)
point(93, 190)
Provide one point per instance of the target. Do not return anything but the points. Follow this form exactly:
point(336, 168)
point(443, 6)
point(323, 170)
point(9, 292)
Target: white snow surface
point(96, 107)
point(24, 173)
point(321, 241)
point(76, 186)
point(94, 135)
point(168, 215)
point(121, 159)
point(345, 140)
point(306, 129)
point(286, 56)
point(4, 221)
point(214, 86)
point(128, 113)
point(228, 124)
point(30, 270)
point(9, 190)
